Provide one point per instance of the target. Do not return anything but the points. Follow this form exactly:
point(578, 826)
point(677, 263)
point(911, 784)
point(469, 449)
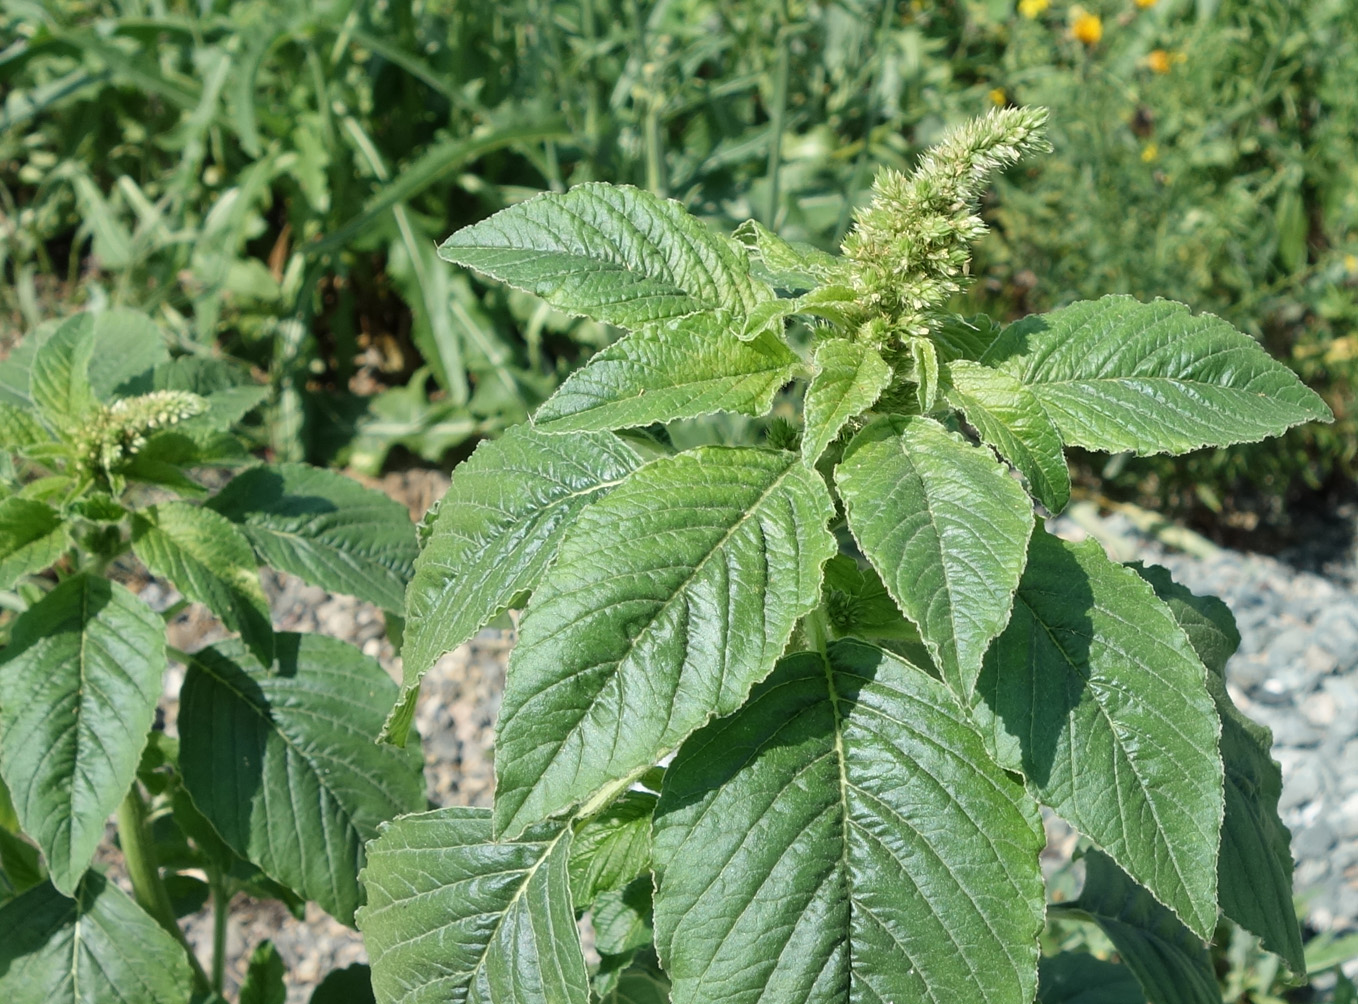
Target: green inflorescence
point(118, 431)
point(910, 248)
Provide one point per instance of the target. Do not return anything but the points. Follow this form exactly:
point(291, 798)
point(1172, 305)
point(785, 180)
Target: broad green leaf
point(95, 948)
point(325, 528)
point(849, 379)
point(845, 837)
point(622, 918)
point(685, 369)
point(1167, 959)
point(79, 682)
point(127, 349)
point(1118, 375)
point(263, 982)
point(19, 429)
point(612, 849)
point(280, 760)
point(669, 598)
point(1254, 872)
point(454, 916)
point(497, 528)
point(947, 529)
point(211, 562)
point(794, 266)
point(1009, 417)
point(957, 337)
point(59, 382)
point(32, 536)
point(1080, 978)
point(16, 368)
point(613, 253)
point(1095, 694)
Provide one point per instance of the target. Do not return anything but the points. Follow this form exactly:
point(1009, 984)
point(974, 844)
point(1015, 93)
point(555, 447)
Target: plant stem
point(142, 868)
point(816, 624)
point(221, 900)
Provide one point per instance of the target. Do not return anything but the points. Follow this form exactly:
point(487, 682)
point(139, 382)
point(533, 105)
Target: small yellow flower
point(1149, 153)
point(1032, 8)
point(1087, 28)
point(1144, 4)
point(1351, 264)
point(998, 97)
point(1159, 61)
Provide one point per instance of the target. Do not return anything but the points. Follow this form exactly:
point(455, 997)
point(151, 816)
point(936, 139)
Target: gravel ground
point(1296, 672)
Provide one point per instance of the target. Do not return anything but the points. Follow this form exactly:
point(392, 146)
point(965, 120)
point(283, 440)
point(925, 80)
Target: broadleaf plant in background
point(784, 710)
point(272, 784)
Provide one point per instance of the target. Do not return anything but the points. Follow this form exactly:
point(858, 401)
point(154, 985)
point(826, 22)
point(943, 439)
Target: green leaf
point(622, 918)
point(1080, 978)
point(685, 369)
point(19, 429)
point(325, 528)
point(1254, 872)
point(641, 983)
point(127, 349)
point(1009, 417)
point(211, 562)
point(1166, 958)
point(612, 848)
point(669, 598)
point(350, 985)
point(280, 760)
point(794, 266)
point(1096, 695)
point(497, 528)
point(20, 868)
point(95, 948)
point(849, 379)
point(16, 368)
point(1118, 375)
point(613, 253)
point(32, 536)
point(79, 682)
point(59, 382)
point(452, 915)
point(947, 529)
point(845, 837)
point(957, 337)
point(263, 982)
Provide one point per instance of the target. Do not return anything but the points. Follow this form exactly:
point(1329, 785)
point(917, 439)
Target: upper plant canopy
point(860, 747)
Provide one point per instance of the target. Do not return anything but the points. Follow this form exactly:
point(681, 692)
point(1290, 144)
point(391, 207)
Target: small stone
point(1319, 662)
point(1314, 842)
point(1320, 709)
point(1301, 785)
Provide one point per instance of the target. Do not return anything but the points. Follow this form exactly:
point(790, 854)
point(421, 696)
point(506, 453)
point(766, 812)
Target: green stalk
point(221, 901)
point(816, 625)
point(142, 868)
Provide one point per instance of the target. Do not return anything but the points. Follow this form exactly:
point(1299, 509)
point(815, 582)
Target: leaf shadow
point(1034, 675)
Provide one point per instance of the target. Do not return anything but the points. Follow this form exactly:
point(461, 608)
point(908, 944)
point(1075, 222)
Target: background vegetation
point(270, 176)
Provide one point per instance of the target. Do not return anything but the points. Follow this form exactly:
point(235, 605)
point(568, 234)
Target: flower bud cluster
point(910, 248)
point(119, 430)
